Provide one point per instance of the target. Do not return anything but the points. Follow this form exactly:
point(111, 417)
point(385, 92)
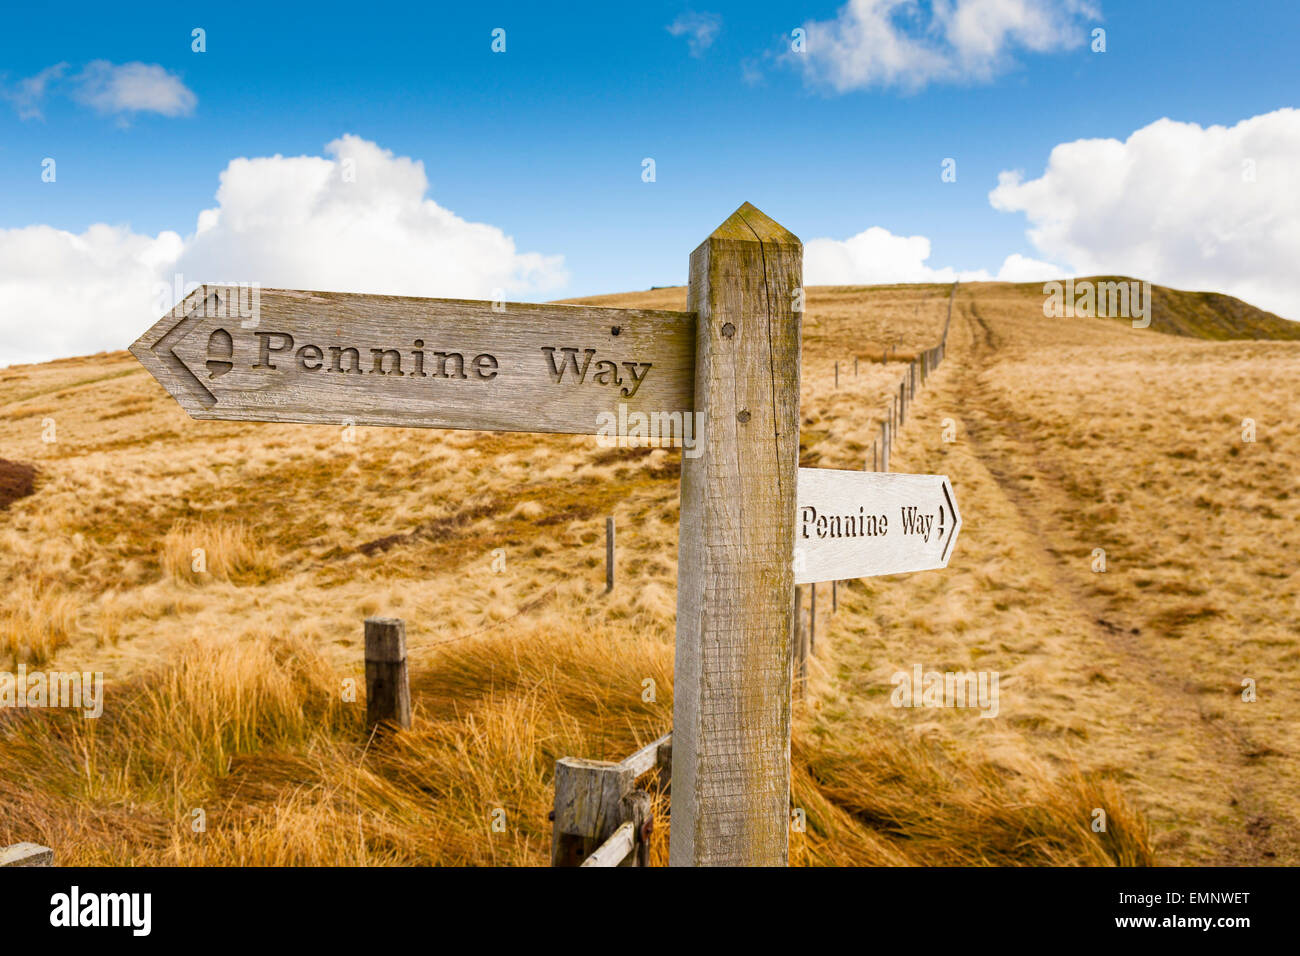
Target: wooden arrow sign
point(856, 524)
point(330, 358)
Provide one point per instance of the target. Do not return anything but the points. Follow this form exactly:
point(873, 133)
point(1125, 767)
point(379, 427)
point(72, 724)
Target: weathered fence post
point(735, 581)
point(638, 809)
point(812, 620)
point(884, 446)
point(588, 807)
point(835, 601)
point(800, 639)
point(855, 366)
point(609, 554)
point(388, 689)
point(837, 373)
point(664, 763)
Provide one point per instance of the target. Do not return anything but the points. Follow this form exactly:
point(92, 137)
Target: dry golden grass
point(36, 619)
point(198, 552)
point(226, 687)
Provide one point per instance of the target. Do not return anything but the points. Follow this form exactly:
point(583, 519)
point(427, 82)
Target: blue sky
point(545, 141)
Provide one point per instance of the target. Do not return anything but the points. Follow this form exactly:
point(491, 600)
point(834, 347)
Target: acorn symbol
point(221, 350)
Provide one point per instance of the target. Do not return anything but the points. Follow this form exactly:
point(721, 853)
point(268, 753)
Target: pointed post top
point(751, 224)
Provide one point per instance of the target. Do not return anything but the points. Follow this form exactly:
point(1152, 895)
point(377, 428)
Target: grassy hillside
point(1121, 690)
point(1200, 315)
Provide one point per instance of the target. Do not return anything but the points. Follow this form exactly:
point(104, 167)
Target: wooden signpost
point(858, 524)
point(733, 359)
point(330, 358)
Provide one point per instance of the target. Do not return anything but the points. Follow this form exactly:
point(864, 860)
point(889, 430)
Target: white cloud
point(903, 43)
point(1018, 268)
point(290, 222)
point(700, 30)
point(297, 222)
point(28, 96)
point(107, 87)
point(1174, 204)
point(133, 88)
point(64, 294)
point(877, 256)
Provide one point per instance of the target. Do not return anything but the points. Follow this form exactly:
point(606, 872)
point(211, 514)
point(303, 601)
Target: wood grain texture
point(647, 758)
point(799, 641)
point(664, 763)
point(588, 801)
point(731, 716)
point(292, 361)
point(638, 810)
point(615, 850)
point(26, 854)
point(857, 524)
point(812, 616)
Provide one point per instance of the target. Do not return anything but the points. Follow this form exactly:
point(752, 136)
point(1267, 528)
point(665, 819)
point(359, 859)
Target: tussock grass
point(256, 733)
point(922, 804)
point(201, 551)
point(35, 620)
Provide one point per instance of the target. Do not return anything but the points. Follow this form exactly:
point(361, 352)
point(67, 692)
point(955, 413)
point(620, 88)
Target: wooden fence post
point(609, 554)
point(835, 601)
point(638, 810)
point(855, 366)
point(800, 640)
point(837, 373)
point(735, 581)
point(884, 446)
point(812, 620)
point(664, 762)
point(588, 807)
point(388, 688)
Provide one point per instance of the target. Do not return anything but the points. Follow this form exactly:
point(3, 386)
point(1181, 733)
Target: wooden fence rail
point(600, 818)
point(26, 854)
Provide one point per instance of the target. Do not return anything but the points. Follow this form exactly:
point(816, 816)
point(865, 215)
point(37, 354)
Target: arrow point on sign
point(950, 500)
point(155, 350)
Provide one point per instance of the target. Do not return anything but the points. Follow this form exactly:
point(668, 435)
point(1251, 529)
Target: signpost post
point(753, 524)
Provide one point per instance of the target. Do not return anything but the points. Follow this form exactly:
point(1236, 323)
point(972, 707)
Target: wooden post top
point(385, 639)
point(751, 224)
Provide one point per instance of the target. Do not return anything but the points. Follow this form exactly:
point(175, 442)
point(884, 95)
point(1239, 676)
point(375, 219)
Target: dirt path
point(1253, 831)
